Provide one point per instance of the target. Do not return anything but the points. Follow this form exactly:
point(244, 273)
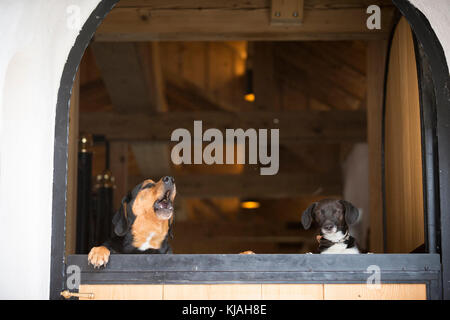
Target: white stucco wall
point(438, 13)
point(35, 43)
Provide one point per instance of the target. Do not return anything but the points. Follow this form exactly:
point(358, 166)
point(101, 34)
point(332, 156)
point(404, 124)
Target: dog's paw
point(247, 252)
point(98, 256)
point(309, 253)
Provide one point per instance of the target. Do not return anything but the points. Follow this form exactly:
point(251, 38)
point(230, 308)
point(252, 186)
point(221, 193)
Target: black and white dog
point(333, 217)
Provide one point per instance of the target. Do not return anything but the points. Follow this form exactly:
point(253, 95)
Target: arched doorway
point(418, 22)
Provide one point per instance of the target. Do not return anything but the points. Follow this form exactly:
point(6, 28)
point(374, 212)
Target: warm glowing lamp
point(249, 94)
point(250, 97)
point(250, 204)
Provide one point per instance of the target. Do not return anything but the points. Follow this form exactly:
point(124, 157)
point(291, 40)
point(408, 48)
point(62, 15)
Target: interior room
point(324, 96)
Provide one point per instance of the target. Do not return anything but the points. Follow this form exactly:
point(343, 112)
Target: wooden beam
point(314, 157)
point(332, 65)
point(344, 81)
point(183, 95)
point(239, 20)
point(277, 186)
point(307, 126)
point(315, 87)
point(132, 76)
point(286, 12)
point(265, 85)
point(155, 77)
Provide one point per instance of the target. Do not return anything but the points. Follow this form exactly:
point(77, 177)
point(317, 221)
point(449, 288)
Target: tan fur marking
point(147, 224)
point(98, 256)
point(146, 220)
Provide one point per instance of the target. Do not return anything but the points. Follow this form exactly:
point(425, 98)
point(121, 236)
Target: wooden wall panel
point(212, 292)
point(208, 71)
point(124, 291)
point(236, 291)
point(186, 292)
point(403, 154)
point(292, 292)
point(376, 61)
point(394, 291)
point(255, 292)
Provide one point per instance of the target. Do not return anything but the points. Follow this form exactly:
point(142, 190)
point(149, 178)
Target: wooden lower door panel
point(394, 291)
point(123, 291)
point(212, 292)
point(256, 292)
point(292, 292)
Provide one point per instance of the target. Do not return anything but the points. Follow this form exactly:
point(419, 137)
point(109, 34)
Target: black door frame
point(441, 84)
point(435, 94)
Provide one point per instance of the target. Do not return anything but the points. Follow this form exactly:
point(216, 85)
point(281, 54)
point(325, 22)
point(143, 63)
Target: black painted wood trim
point(439, 67)
point(261, 263)
point(429, 149)
point(263, 268)
point(58, 238)
point(441, 80)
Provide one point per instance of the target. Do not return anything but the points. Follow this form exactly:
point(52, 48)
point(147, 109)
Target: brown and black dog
point(143, 223)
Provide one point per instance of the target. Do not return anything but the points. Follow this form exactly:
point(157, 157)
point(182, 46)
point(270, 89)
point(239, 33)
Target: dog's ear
point(120, 219)
point(351, 212)
point(307, 217)
point(171, 222)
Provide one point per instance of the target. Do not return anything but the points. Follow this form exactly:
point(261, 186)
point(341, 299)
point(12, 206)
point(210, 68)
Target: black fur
point(332, 217)
point(122, 239)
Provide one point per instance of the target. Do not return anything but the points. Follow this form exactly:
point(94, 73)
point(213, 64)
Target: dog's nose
point(168, 180)
point(328, 227)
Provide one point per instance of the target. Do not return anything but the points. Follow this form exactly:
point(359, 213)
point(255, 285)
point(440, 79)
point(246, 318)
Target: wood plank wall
point(403, 154)
point(376, 61)
point(257, 292)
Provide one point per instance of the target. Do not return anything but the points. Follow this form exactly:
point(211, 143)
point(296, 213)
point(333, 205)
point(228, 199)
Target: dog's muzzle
point(164, 206)
point(329, 228)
